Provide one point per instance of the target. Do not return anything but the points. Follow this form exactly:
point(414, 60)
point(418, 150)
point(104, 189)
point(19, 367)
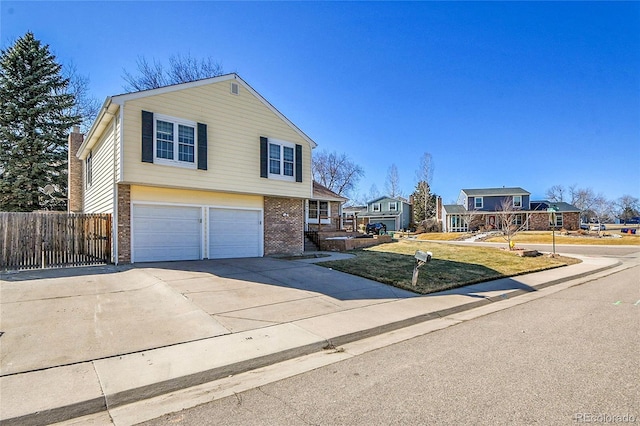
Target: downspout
point(114, 224)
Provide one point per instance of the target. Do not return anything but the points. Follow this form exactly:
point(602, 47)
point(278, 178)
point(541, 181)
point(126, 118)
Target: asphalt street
point(569, 358)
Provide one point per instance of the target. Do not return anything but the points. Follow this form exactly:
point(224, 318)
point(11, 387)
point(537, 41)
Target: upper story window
point(281, 159)
point(517, 201)
point(478, 202)
point(174, 141)
point(375, 207)
point(393, 206)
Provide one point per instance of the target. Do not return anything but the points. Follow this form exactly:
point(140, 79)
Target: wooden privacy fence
point(53, 240)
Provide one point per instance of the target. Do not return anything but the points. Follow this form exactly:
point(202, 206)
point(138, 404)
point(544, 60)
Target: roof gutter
point(108, 109)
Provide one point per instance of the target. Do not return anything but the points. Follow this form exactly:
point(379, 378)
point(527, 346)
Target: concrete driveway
point(61, 317)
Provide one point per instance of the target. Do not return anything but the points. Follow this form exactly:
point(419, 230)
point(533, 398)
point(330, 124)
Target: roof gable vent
point(235, 89)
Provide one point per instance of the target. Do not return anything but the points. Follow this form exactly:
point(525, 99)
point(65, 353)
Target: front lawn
point(452, 265)
point(612, 236)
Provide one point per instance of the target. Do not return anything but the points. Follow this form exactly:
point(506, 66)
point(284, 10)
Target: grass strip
point(452, 266)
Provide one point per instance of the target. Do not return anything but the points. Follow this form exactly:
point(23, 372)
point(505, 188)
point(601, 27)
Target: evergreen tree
point(423, 203)
point(35, 117)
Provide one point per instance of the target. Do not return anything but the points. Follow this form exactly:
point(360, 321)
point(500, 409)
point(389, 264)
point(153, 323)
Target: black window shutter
point(264, 157)
point(147, 137)
point(298, 163)
point(202, 146)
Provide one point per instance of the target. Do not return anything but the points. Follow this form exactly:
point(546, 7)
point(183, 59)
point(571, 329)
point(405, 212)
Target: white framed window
point(393, 206)
point(281, 160)
point(517, 201)
point(89, 171)
point(517, 220)
point(375, 207)
point(478, 202)
point(174, 141)
point(558, 219)
point(319, 210)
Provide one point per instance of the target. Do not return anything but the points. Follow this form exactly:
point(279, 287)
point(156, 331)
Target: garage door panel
point(166, 233)
point(156, 254)
point(390, 223)
point(234, 233)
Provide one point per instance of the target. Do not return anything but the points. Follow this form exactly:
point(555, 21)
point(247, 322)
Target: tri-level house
point(199, 170)
point(395, 213)
point(481, 209)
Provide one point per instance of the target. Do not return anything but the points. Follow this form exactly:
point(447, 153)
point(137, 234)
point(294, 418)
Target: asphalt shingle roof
point(487, 192)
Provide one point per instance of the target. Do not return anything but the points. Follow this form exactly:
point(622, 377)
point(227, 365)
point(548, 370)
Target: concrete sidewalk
point(79, 341)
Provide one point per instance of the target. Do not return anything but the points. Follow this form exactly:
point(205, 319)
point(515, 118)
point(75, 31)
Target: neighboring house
point(324, 210)
point(199, 170)
point(479, 209)
point(395, 213)
point(352, 217)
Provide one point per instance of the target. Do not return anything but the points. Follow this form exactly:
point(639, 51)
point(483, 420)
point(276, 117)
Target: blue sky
point(500, 94)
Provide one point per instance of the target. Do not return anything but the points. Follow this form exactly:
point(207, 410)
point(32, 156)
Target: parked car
point(598, 227)
point(376, 228)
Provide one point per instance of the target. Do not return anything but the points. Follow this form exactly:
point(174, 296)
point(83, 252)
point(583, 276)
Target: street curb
point(107, 401)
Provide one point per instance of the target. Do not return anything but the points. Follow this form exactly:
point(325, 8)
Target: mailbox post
point(421, 258)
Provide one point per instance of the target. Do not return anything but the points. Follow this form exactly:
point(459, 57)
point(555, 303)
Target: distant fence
point(53, 240)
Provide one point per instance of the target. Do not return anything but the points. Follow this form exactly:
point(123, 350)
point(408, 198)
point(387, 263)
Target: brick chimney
point(439, 208)
point(75, 181)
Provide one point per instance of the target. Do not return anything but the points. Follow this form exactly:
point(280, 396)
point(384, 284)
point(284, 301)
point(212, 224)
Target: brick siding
point(124, 223)
point(75, 183)
point(283, 226)
point(540, 221)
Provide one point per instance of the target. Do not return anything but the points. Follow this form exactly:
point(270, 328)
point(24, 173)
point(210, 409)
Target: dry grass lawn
point(452, 265)
point(611, 236)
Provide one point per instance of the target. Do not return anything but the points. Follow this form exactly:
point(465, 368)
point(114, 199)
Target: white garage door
point(166, 233)
point(234, 233)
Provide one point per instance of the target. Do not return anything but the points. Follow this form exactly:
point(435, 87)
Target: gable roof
point(321, 192)
point(386, 197)
point(488, 192)
point(454, 209)
point(560, 205)
point(113, 103)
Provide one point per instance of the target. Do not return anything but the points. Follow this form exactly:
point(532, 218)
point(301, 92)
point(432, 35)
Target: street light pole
point(552, 219)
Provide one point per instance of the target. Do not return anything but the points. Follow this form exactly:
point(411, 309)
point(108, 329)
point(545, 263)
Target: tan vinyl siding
point(234, 126)
point(99, 196)
point(117, 147)
point(192, 197)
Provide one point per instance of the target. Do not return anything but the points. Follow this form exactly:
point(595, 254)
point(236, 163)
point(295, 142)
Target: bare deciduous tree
point(85, 106)
point(555, 194)
point(374, 193)
point(627, 207)
point(336, 172)
point(601, 209)
point(425, 169)
point(510, 220)
point(182, 69)
point(583, 198)
point(392, 184)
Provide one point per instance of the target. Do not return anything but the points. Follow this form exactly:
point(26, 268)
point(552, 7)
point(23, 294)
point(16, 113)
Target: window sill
point(282, 178)
point(174, 163)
